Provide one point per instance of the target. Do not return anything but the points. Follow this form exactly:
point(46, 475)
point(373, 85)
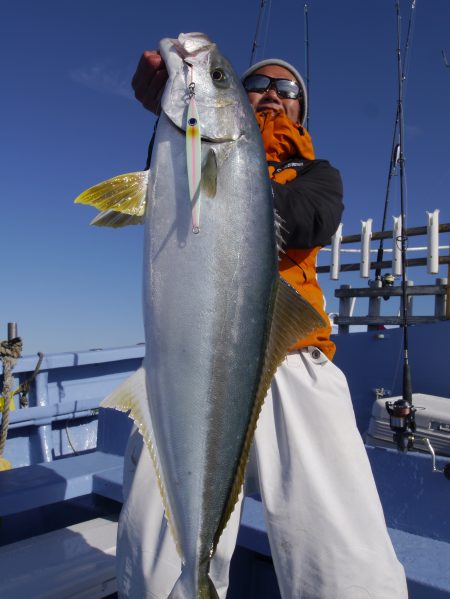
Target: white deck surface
point(76, 562)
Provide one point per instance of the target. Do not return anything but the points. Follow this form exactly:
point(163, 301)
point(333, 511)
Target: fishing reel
point(387, 280)
point(402, 421)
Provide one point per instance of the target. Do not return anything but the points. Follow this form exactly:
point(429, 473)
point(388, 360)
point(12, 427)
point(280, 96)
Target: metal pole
point(447, 309)
point(344, 310)
point(12, 330)
point(374, 303)
point(440, 301)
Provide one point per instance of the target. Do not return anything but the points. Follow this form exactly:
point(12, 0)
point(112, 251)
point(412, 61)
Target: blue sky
point(69, 120)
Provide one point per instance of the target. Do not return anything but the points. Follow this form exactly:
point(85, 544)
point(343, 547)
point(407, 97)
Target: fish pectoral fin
point(293, 318)
point(209, 174)
point(124, 194)
point(131, 397)
point(111, 218)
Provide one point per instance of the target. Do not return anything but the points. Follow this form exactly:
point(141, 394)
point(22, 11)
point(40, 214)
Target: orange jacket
point(283, 141)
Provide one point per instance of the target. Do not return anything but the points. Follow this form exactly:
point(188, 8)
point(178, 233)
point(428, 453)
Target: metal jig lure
point(193, 157)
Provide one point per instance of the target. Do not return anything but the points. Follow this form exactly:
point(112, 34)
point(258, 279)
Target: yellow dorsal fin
point(126, 194)
point(293, 318)
point(131, 397)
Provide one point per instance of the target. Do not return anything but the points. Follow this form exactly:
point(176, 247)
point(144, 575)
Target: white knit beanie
point(289, 67)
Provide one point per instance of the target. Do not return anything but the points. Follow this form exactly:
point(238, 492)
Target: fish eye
point(220, 78)
point(218, 75)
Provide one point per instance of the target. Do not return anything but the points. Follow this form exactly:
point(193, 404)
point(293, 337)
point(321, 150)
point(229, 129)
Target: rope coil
point(10, 352)
point(11, 349)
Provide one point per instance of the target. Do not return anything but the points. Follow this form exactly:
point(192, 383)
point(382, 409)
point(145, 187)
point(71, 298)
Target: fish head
point(196, 66)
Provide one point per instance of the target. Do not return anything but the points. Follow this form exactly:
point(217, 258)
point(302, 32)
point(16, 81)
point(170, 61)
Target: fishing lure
point(193, 157)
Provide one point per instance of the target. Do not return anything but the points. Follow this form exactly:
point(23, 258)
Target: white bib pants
point(324, 519)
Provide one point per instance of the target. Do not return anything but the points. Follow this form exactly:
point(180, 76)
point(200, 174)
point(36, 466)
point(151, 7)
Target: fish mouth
point(205, 138)
point(188, 46)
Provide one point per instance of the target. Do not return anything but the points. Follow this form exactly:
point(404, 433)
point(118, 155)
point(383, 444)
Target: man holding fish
point(306, 458)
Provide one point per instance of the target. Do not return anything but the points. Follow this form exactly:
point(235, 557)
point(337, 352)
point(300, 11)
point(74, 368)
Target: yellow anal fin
point(5, 464)
point(131, 397)
point(126, 194)
point(293, 318)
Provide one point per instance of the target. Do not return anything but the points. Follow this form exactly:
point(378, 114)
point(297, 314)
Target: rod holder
point(366, 236)
point(336, 254)
point(397, 246)
point(433, 242)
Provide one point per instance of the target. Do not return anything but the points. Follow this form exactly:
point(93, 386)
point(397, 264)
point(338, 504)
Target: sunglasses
point(285, 88)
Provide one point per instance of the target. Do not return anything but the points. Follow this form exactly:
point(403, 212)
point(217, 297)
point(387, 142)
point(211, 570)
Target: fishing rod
point(407, 392)
point(402, 411)
point(388, 280)
point(255, 44)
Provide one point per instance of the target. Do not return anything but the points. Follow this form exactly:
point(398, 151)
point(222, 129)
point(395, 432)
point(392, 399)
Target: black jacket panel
point(311, 204)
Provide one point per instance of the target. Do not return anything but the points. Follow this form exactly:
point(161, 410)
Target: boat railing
point(60, 416)
point(383, 286)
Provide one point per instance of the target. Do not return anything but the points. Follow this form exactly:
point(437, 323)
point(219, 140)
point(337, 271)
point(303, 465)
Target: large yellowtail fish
point(218, 319)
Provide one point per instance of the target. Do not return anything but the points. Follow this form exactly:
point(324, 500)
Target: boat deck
point(77, 493)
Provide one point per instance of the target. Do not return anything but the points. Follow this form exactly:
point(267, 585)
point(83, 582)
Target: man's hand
point(149, 80)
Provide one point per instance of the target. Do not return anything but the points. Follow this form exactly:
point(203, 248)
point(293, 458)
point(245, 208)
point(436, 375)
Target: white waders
point(324, 519)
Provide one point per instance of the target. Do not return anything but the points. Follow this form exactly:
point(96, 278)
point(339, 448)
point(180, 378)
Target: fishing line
point(306, 21)
point(150, 146)
point(409, 35)
point(266, 34)
point(258, 26)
